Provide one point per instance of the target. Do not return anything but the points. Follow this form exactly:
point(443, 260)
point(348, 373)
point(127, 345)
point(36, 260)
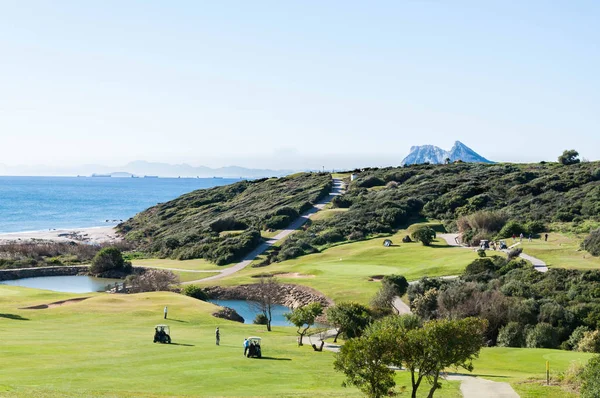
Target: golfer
point(217, 336)
point(165, 312)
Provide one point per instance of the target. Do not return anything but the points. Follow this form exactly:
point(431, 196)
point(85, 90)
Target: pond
point(66, 284)
point(245, 309)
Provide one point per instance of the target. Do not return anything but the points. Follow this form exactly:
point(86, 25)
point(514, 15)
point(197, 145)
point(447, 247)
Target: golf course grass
point(192, 265)
point(561, 251)
point(342, 272)
point(102, 347)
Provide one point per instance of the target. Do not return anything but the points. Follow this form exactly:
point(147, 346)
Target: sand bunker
point(55, 304)
point(376, 278)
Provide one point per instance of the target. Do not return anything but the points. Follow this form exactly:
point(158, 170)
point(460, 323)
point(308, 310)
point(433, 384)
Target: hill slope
point(195, 225)
point(382, 200)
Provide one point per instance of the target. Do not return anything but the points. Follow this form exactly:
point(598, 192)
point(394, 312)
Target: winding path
point(337, 190)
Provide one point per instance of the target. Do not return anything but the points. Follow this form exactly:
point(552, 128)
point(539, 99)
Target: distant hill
point(436, 155)
point(141, 168)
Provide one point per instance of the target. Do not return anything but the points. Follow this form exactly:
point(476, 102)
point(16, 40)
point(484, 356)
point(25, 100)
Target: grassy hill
point(222, 224)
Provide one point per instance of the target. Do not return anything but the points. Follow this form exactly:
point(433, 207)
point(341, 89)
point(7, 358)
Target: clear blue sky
point(291, 83)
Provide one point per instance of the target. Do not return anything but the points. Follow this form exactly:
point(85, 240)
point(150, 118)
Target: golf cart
point(254, 349)
point(503, 245)
point(162, 334)
point(484, 244)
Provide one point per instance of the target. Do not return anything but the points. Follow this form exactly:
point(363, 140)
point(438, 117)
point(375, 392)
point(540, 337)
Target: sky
point(295, 84)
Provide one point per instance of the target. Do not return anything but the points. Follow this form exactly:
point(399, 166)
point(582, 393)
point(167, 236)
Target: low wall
point(292, 296)
point(20, 273)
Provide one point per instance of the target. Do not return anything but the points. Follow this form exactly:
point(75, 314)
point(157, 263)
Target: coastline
point(85, 235)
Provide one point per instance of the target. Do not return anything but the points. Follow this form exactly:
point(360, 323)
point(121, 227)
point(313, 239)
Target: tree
point(349, 319)
point(364, 361)
point(109, 259)
point(398, 282)
point(266, 295)
point(590, 386)
point(425, 235)
point(424, 350)
point(304, 317)
point(569, 157)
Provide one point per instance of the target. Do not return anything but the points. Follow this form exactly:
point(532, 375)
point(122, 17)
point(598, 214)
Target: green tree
point(424, 351)
point(590, 386)
point(569, 157)
point(398, 282)
point(425, 235)
point(349, 319)
point(304, 317)
point(365, 361)
point(109, 259)
point(511, 335)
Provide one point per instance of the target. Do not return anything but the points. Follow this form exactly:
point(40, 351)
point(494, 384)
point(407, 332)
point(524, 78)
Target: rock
point(229, 314)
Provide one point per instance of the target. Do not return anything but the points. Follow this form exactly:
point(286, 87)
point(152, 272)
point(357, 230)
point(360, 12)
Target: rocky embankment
point(20, 273)
point(292, 296)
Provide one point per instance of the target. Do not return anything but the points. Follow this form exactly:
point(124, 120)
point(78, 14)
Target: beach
point(86, 235)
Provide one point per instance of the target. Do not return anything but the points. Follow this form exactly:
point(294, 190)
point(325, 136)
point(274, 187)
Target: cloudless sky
point(296, 83)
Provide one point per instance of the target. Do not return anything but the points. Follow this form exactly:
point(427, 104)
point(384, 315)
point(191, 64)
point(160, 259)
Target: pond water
point(244, 308)
point(67, 284)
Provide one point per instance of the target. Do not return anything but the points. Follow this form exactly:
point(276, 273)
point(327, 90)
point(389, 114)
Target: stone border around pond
point(20, 273)
point(291, 296)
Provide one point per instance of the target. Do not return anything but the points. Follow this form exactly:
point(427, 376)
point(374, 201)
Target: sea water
point(43, 203)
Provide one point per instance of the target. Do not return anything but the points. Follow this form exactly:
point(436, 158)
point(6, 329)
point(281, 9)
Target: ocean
point(43, 203)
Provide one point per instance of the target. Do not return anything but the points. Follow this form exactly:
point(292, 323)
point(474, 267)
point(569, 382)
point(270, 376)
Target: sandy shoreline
point(87, 235)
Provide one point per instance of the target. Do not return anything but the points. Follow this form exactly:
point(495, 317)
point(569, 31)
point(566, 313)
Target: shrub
point(260, 319)
point(154, 280)
point(425, 235)
point(592, 243)
point(590, 342)
point(195, 292)
point(109, 259)
point(481, 253)
point(590, 382)
point(542, 335)
point(406, 239)
point(227, 224)
point(370, 182)
point(576, 337)
point(512, 335)
point(535, 227)
point(511, 228)
point(569, 157)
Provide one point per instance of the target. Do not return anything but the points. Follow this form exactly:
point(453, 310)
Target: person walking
point(514, 238)
point(246, 345)
point(165, 312)
point(529, 237)
point(217, 336)
point(521, 237)
point(546, 238)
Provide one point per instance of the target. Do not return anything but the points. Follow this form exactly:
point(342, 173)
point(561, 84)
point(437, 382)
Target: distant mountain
point(435, 155)
point(141, 168)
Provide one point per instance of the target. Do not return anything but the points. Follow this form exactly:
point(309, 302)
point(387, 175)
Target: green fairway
point(192, 265)
point(102, 347)
point(561, 250)
point(342, 272)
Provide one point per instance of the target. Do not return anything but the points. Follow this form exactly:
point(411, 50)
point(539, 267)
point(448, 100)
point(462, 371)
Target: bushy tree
point(425, 235)
point(365, 362)
point(512, 335)
point(542, 335)
point(304, 317)
point(576, 336)
point(349, 319)
point(265, 296)
point(569, 157)
point(109, 259)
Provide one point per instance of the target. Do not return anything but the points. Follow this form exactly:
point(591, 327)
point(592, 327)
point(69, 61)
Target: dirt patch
point(294, 275)
point(376, 278)
point(54, 304)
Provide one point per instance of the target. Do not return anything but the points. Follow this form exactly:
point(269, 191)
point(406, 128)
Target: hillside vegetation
point(529, 195)
point(193, 225)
